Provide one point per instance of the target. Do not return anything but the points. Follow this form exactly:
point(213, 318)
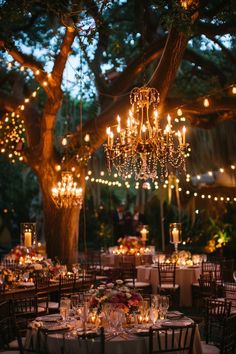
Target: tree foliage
point(185, 48)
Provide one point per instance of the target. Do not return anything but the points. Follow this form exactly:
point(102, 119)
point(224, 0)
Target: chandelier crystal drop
point(142, 147)
point(67, 194)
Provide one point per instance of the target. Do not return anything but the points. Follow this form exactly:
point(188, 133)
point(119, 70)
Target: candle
point(175, 235)
point(184, 133)
point(144, 233)
point(28, 239)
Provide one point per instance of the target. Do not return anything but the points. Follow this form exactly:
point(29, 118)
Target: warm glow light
point(206, 102)
point(140, 146)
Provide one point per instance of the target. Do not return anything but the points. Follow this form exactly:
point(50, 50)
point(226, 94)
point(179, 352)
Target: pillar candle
point(28, 239)
point(175, 235)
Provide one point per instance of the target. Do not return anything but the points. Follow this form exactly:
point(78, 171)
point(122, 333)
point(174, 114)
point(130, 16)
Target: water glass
point(65, 308)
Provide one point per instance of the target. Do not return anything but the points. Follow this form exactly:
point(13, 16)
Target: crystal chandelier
point(67, 194)
point(141, 146)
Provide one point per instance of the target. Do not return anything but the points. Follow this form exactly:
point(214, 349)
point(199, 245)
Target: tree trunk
point(61, 225)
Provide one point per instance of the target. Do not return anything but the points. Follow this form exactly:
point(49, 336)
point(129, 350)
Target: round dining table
point(185, 277)
point(69, 342)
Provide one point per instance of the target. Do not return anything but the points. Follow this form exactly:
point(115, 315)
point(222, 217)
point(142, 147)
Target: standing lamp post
point(175, 230)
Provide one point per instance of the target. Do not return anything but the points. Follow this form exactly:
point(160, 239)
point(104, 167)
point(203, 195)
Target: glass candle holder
point(175, 230)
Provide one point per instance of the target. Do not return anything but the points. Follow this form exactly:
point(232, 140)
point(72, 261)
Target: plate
point(56, 328)
point(176, 323)
point(49, 318)
point(26, 284)
point(174, 315)
point(141, 332)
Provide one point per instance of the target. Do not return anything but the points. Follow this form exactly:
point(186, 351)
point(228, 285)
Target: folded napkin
point(35, 324)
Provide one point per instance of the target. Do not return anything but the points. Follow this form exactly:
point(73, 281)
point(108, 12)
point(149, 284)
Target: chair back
point(229, 291)
point(26, 306)
point(213, 270)
point(207, 286)
point(166, 273)
point(66, 284)
point(228, 340)
point(216, 312)
point(172, 339)
point(92, 338)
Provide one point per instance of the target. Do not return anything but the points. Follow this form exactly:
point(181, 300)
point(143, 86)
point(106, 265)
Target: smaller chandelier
point(66, 194)
point(141, 146)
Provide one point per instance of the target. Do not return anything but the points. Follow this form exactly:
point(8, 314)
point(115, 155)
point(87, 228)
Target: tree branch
point(167, 69)
point(61, 59)
point(213, 30)
point(205, 63)
point(225, 50)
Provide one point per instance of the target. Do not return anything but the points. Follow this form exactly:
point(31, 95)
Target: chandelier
point(141, 147)
point(67, 194)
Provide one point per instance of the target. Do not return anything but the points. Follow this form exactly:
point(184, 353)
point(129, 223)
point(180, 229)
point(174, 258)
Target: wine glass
point(154, 312)
point(164, 305)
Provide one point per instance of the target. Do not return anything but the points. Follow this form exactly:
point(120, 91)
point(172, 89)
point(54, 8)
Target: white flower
point(110, 285)
point(101, 287)
point(37, 266)
point(119, 282)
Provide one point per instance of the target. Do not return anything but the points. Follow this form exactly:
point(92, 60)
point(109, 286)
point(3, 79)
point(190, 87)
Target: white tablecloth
point(115, 260)
point(55, 344)
point(185, 277)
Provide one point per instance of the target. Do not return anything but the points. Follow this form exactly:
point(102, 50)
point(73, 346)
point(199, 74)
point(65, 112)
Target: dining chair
point(92, 339)
point(212, 269)
point(167, 284)
point(24, 309)
point(66, 284)
point(216, 312)
point(128, 273)
point(8, 337)
point(207, 289)
point(229, 292)
point(226, 338)
point(172, 339)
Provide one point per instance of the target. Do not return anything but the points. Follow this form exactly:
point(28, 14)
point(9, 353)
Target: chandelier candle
point(141, 146)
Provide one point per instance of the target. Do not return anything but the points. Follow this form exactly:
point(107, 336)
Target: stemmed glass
point(155, 307)
point(164, 305)
point(83, 312)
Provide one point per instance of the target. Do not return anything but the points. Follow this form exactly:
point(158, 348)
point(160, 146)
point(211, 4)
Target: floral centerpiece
point(19, 253)
point(182, 258)
point(118, 294)
point(131, 245)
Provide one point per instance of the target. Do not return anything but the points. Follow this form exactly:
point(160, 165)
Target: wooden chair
point(66, 285)
point(172, 340)
point(229, 292)
point(226, 338)
point(128, 273)
point(91, 339)
point(8, 336)
point(207, 288)
point(167, 284)
point(216, 312)
point(212, 270)
point(25, 309)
